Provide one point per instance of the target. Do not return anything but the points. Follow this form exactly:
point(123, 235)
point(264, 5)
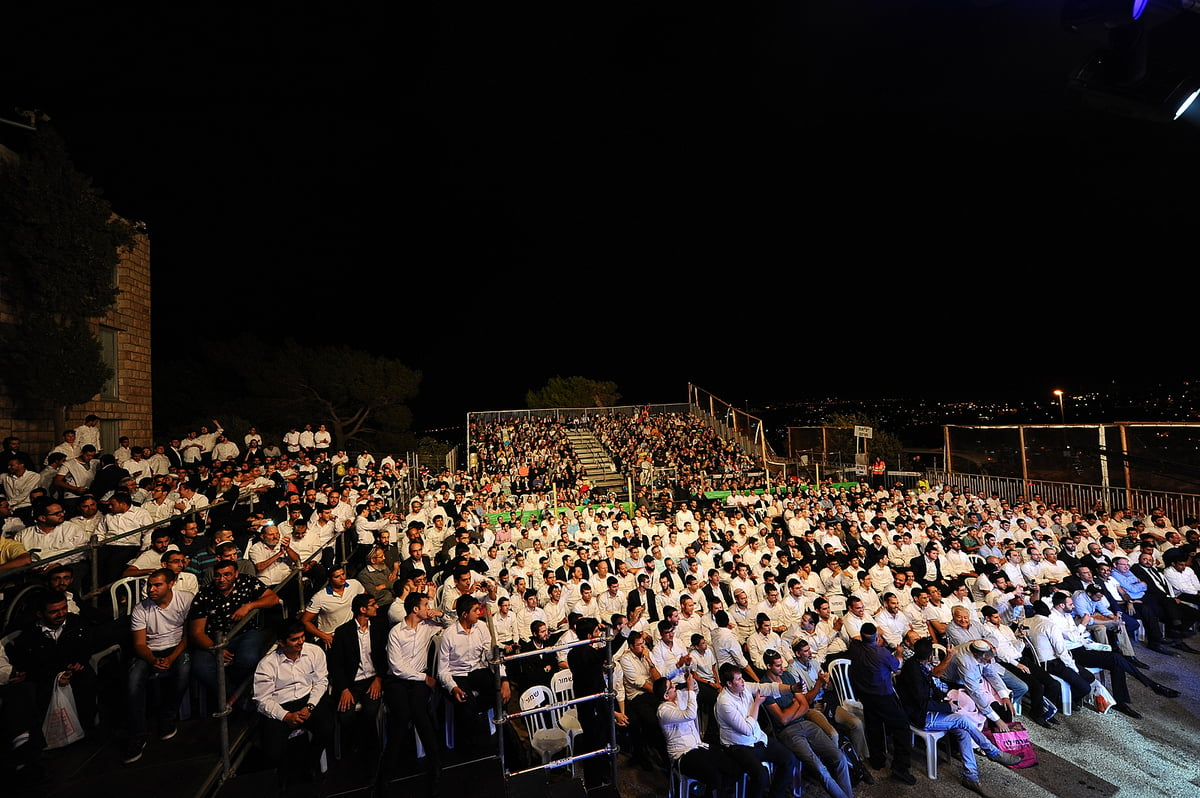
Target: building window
point(108, 350)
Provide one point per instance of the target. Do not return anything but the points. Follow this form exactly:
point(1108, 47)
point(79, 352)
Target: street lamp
point(1062, 413)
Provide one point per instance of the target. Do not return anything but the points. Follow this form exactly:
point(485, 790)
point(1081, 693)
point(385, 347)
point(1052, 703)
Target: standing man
point(55, 648)
point(587, 666)
point(872, 668)
point(115, 531)
point(291, 686)
point(160, 651)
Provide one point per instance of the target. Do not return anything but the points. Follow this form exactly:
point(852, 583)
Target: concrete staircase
point(600, 467)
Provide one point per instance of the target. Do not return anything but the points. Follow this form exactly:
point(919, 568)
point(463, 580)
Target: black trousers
point(751, 758)
point(408, 703)
point(884, 716)
point(712, 766)
point(275, 733)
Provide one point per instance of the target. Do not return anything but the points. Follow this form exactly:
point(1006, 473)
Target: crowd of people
point(725, 599)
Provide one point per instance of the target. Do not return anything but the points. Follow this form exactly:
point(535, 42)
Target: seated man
point(678, 718)
point(814, 748)
point(925, 702)
point(291, 690)
point(358, 661)
point(217, 608)
point(56, 647)
point(160, 650)
point(464, 673)
point(962, 631)
point(745, 741)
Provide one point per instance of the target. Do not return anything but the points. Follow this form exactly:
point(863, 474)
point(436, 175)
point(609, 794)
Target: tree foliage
point(573, 392)
point(361, 397)
point(882, 443)
point(60, 243)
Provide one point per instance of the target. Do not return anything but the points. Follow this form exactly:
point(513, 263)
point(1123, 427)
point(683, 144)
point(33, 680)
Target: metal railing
point(1085, 498)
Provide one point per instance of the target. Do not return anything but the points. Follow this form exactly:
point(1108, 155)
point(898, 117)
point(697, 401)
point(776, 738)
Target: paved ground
point(1088, 756)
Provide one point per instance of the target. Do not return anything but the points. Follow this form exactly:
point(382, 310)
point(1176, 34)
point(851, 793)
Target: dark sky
point(646, 192)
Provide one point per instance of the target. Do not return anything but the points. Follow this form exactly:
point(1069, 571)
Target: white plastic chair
point(930, 738)
point(839, 671)
point(544, 735)
point(562, 684)
point(130, 588)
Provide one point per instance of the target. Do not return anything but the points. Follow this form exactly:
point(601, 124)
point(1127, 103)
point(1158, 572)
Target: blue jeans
point(173, 684)
point(247, 651)
point(965, 733)
point(1017, 686)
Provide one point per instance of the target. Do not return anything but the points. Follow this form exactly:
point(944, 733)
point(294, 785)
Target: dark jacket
point(344, 657)
point(919, 694)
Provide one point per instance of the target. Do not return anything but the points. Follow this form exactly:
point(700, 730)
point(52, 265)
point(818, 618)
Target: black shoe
point(877, 763)
point(1163, 690)
point(1161, 649)
point(866, 777)
point(134, 751)
point(904, 777)
point(1043, 722)
point(1137, 663)
point(1125, 709)
point(1182, 646)
point(974, 786)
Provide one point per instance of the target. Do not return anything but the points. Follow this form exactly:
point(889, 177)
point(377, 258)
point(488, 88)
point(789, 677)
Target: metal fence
point(1084, 498)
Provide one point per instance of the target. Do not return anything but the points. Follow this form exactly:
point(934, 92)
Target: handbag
point(61, 726)
point(1015, 741)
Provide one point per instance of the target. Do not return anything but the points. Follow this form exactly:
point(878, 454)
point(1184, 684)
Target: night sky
point(834, 198)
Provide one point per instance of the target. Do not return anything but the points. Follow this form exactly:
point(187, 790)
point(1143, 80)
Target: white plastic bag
point(61, 726)
point(1100, 699)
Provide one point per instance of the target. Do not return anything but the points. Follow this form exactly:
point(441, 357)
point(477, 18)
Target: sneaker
point(133, 752)
point(1004, 757)
point(169, 732)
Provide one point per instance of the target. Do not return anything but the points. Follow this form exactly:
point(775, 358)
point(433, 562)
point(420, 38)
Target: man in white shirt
point(745, 741)
point(464, 673)
point(114, 529)
point(160, 648)
point(291, 686)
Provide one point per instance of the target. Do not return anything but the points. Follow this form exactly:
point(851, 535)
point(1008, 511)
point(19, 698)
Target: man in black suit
point(927, 569)
point(716, 590)
point(643, 596)
point(357, 683)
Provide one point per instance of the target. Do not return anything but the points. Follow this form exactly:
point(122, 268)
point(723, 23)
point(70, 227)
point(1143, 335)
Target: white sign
point(863, 432)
